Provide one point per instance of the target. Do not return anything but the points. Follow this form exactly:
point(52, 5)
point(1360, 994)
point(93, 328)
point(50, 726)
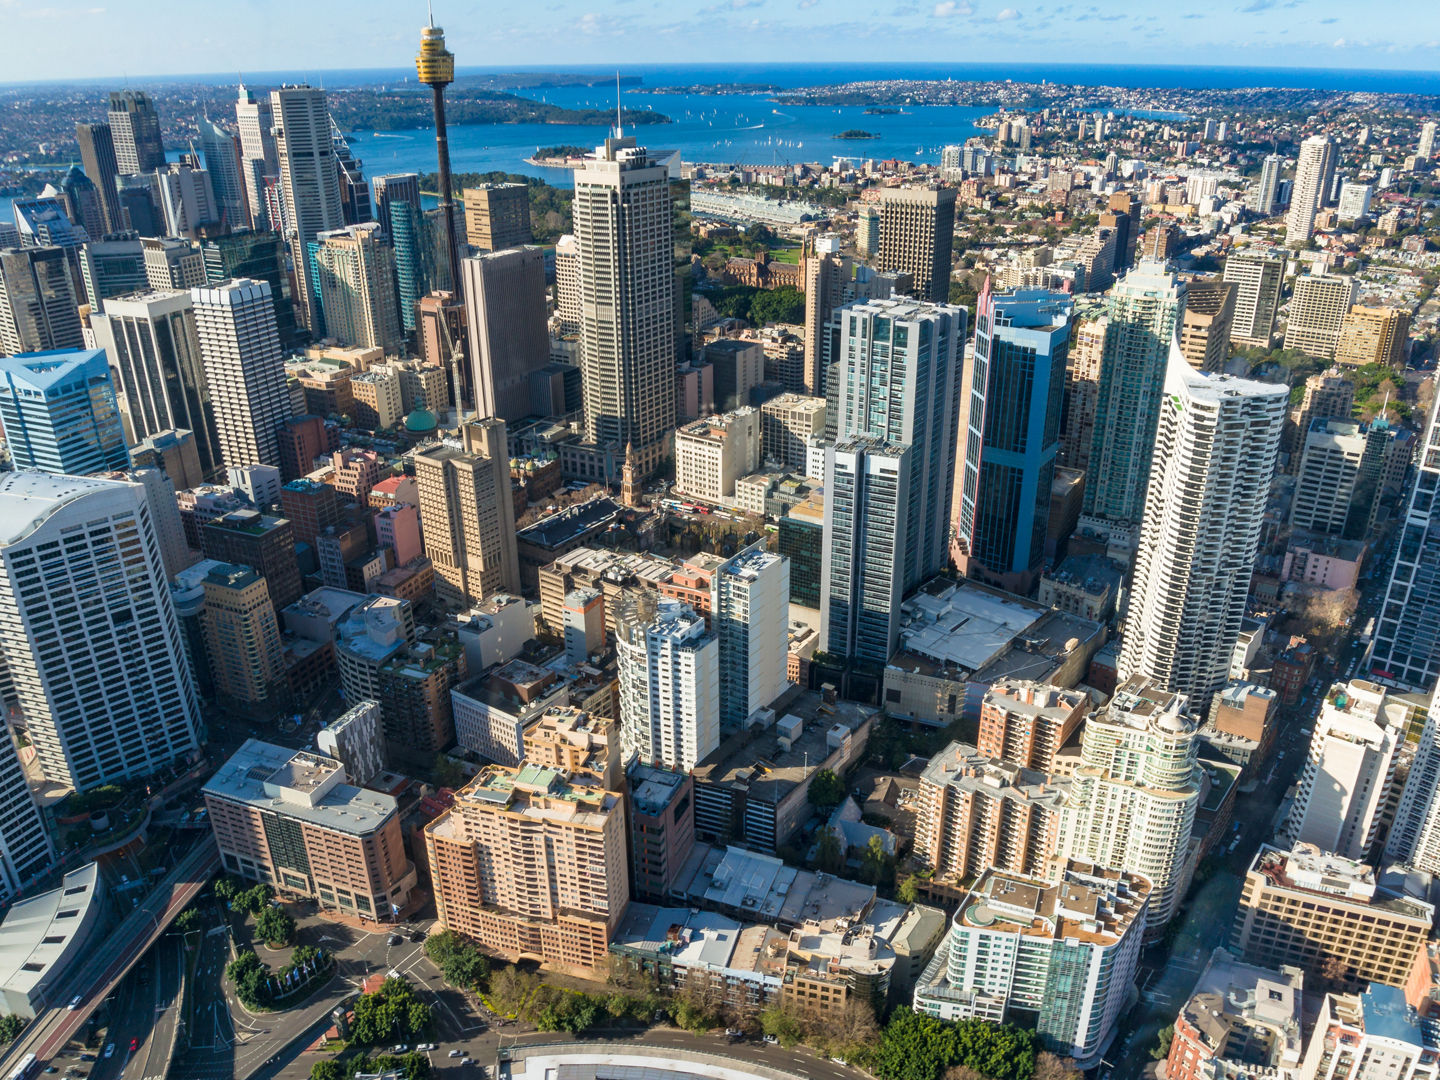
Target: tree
point(275, 926)
point(251, 979)
point(875, 863)
point(1161, 1050)
point(826, 790)
point(511, 988)
point(461, 964)
point(10, 1027)
point(908, 891)
point(1050, 1066)
point(327, 1070)
point(829, 851)
point(447, 772)
point(776, 1022)
point(391, 1012)
point(186, 921)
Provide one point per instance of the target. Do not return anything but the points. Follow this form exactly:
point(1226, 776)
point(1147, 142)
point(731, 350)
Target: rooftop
point(570, 524)
point(38, 931)
point(1089, 903)
point(1232, 994)
point(28, 497)
point(301, 785)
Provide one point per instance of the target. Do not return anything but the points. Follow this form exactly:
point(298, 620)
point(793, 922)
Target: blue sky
point(107, 38)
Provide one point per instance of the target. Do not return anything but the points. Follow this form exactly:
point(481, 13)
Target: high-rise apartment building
point(356, 276)
point(1264, 196)
point(38, 310)
point(1426, 146)
point(466, 514)
point(1205, 327)
point(69, 547)
point(154, 349)
point(135, 129)
point(825, 273)
point(1026, 723)
point(1084, 358)
point(623, 216)
point(1014, 395)
point(669, 682)
point(750, 616)
point(222, 162)
point(1330, 917)
point(1214, 456)
point(1374, 1035)
point(259, 158)
point(898, 381)
point(1407, 632)
point(531, 863)
point(1257, 279)
point(1314, 171)
point(26, 851)
point(1327, 394)
point(497, 216)
point(567, 285)
point(1134, 795)
point(507, 339)
point(1414, 837)
point(1373, 335)
point(1354, 202)
point(235, 325)
point(1339, 479)
point(292, 819)
point(242, 637)
point(97, 157)
point(917, 234)
point(59, 412)
point(974, 812)
point(867, 530)
point(1344, 787)
point(309, 182)
point(1063, 951)
point(1143, 312)
point(1318, 307)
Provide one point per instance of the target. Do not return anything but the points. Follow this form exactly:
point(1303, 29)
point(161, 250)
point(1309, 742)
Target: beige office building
point(787, 423)
point(1373, 335)
point(1317, 313)
point(531, 863)
point(497, 216)
point(357, 287)
point(917, 233)
point(466, 515)
point(711, 454)
point(241, 635)
point(1205, 327)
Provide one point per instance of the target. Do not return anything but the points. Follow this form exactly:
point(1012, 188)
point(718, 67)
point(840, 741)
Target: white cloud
point(1007, 15)
point(948, 8)
point(1340, 43)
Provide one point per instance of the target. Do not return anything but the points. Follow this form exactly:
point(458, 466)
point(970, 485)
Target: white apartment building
point(567, 285)
point(751, 618)
point(1215, 449)
point(89, 632)
point(1135, 792)
point(1257, 279)
point(1371, 1036)
point(1349, 769)
point(240, 349)
point(1415, 834)
point(1313, 171)
point(669, 682)
point(1064, 950)
point(711, 454)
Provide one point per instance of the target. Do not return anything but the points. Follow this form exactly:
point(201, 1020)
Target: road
point(111, 957)
point(144, 1008)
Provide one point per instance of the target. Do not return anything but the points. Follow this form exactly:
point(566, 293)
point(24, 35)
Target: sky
point(68, 39)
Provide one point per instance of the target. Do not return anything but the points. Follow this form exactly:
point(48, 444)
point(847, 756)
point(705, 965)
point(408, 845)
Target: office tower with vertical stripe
point(235, 325)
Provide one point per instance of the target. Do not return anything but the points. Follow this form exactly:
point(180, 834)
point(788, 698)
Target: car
point(417, 935)
point(399, 1048)
point(134, 1045)
point(110, 1050)
point(87, 1057)
point(75, 1001)
point(466, 1061)
point(733, 1033)
point(425, 1048)
point(51, 1069)
point(456, 1053)
point(396, 939)
point(772, 1040)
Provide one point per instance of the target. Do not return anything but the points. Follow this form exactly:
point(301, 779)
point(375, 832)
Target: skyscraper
point(750, 616)
point(1012, 434)
point(82, 201)
point(242, 637)
point(507, 338)
point(235, 325)
point(898, 381)
point(466, 515)
point(59, 412)
point(1265, 193)
point(1142, 312)
point(1318, 308)
point(1205, 327)
point(1134, 794)
point(1257, 279)
point(309, 182)
point(37, 301)
point(1414, 837)
point(248, 253)
point(1314, 170)
point(25, 848)
point(154, 351)
point(187, 199)
point(669, 682)
point(917, 234)
point(97, 157)
point(356, 275)
point(1214, 456)
point(1345, 785)
point(497, 216)
point(95, 713)
point(222, 162)
point(623, 216)
point(259, 158)
point(1426, 147)
point(390, 189)
point(1339, 479)
point(867, 532)
point(1407, 633)
point(135, 129)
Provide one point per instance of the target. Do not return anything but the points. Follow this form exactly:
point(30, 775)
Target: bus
point(27, 1068)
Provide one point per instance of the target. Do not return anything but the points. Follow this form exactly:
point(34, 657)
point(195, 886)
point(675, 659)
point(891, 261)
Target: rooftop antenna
point(619, 128)
point(430, 7)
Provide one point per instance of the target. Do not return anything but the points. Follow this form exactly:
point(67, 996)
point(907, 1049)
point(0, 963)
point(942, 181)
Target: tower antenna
point(430, 8)
point(619, 126)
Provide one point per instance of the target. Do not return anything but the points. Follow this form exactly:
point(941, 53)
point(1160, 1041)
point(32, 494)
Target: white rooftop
point(37, 932)
point(28, 497)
